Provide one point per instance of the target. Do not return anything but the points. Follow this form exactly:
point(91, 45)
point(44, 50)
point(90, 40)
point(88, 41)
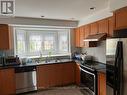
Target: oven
point(89, 80)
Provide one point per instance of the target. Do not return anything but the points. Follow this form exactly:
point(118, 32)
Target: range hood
point(96, 37)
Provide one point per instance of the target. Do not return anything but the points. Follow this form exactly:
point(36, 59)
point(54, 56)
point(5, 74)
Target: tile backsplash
point(98, 52)
point(6, 53)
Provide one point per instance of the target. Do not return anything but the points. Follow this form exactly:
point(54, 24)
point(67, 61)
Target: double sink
point(52, 61)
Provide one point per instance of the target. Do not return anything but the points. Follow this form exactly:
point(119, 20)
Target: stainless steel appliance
point(89, 76)
point(88, 80)
point(11, 60)
point(25, 79)
point(116, 70)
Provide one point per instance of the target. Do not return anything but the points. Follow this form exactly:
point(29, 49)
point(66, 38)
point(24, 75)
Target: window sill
point(56, 55)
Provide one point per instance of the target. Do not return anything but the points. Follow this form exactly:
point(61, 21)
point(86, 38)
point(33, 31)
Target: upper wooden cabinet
point(94, 28)
point(82, 31)
point(103, 26)
point(87, 33)
point(7, 82)
point(111, 26)
point(5, 37)
point(120, 18)
point(79, 36)
point(87, 30)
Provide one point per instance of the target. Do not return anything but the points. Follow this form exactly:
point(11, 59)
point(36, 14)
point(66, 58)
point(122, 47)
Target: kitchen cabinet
point(55, 75)
point(101, 83)
point(79, 36)
point(111, 26)
point(5, 37)
point(77, 76)
point(87, 30)
point(68, 73)
point(45, 75)
point(7, 82)
point(120, 18)
point(82, 36)
point(94, 28)
point(87, 33)
point(103, 26)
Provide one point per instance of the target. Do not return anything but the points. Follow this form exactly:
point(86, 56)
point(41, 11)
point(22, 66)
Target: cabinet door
point(111, 26)
point(77, 74)
point(87, 30)
point(49, 76)
point(87, 33)
point(77, 37)
point(94, 28)
point(68, 73)
point(43, 76)
point(101, 84)
point(7, 82)
point(82, 36)
point(57, 75)
point(5, 37)
point(103, 26)
point(120, 18)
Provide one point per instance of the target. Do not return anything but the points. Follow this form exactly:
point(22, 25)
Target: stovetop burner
point(93, 65)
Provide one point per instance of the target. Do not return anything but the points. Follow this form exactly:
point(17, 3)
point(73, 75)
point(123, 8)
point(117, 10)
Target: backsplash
point(98, 52)
point(6, 53)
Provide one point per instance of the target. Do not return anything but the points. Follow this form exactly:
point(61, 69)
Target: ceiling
point(58, 9)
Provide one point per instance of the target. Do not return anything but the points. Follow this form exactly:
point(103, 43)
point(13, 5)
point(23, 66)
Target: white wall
point(113, 5)
point(96, 16)
point(99, 52)
point(116, 4)
point(38, 22)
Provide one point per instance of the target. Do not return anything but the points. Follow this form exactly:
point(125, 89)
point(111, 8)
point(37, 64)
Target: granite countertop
point(63, 61)
point(99, 68)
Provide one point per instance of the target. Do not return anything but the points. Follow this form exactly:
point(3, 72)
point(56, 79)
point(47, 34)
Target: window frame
point(38, 55)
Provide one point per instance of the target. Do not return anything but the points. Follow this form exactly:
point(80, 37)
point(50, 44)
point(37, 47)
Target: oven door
point(88, 81)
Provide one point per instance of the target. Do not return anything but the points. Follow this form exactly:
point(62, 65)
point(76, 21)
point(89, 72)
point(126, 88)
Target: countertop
point(100, 67)
point(62, 61)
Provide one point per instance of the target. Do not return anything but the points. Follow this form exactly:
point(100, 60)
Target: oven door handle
point(87, 72)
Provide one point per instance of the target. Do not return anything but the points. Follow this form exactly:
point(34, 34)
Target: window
point(33, 42)
point(20, 42)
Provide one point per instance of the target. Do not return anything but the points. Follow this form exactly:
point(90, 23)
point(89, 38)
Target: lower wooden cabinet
point(77, 76)
point(101, 83)
point(7, 82)
point(68, 73)
point(55, 75)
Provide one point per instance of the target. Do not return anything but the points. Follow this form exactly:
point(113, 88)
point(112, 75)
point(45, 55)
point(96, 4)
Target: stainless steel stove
point(89, 76)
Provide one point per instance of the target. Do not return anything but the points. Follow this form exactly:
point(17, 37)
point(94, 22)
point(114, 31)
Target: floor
point(68, 90)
